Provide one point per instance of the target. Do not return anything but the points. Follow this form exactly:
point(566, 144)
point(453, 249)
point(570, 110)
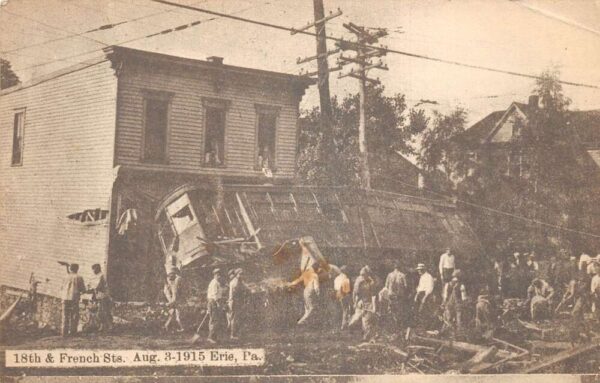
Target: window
point(214, 130)
point(156, 122)
point(266, 133)
point(18, 130)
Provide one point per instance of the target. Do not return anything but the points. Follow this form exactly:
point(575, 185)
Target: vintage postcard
point(279, 190)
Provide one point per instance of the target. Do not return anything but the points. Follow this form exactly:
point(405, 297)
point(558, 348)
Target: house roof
point(585, 124)
point(114, 52)
point(118, 52)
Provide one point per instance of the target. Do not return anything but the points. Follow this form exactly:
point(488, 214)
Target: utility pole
point(363, 60)
point(326, 121)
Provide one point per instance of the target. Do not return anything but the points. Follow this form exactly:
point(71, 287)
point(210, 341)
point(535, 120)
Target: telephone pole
point(326, 120)
point(363, 61)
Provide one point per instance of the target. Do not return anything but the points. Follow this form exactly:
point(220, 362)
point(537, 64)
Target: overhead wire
point(388, 50)
point(151, 35)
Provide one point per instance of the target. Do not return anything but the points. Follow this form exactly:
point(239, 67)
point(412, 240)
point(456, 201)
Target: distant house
point(90, 157)
point(502, 143)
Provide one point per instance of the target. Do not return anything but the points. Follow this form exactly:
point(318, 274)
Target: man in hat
point(455, 297)
point(424, 296)
point(447, 265)
point(539, 297)
point(342, 287)
point(396, 285)
point(71, 292)
point(172, 294)
point(99, 290)
point(216, 296)
point(364, 296)
point(238, 293)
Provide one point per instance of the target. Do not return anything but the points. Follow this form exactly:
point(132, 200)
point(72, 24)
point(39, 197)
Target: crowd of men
point(443, 300)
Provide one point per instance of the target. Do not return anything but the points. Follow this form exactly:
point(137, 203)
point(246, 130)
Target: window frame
point(163, 96)
point(224, 105)
point(18, 111)
point(274, 110)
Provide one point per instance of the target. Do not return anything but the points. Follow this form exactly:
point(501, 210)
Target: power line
point(340, 40)
point(54, 27)
point(151, 35)
point(97, 29)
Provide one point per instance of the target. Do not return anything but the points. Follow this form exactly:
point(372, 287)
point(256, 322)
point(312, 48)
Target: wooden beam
point(562, 357)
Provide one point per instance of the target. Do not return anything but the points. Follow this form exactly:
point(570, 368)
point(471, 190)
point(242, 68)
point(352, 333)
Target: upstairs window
point(156, 123)
point(266, 137)
point(18, 130)
point(214, 132)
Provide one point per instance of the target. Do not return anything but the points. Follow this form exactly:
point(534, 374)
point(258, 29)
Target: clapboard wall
point(67, 167)
point(191, 85)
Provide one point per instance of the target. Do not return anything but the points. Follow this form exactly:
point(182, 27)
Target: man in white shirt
point(447, 265)
point(595, 290)
point(584, 259)
point(424, 297)
point(71, 292)
point(216, 296)
point(398, 292)
point(343, 288)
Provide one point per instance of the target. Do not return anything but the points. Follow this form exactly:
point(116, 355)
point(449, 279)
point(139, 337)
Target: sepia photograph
point(300, 190)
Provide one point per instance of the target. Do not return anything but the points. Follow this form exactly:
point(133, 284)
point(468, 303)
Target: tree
point(8, 78)
point(441, 149)
point(388, 132)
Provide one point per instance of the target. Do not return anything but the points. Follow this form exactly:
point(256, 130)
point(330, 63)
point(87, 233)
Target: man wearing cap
point(455, 298)
point(447, 265)
point(424, 296)
point(364, 296)
point(396, 285)
point(216, 297)
point(238, 292)
point(71, 292)
point(173, 296)
point(342, 288)
point(99, 290)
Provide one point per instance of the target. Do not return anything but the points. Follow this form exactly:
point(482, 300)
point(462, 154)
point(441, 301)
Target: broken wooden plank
point(481, 358)
point(459, 346)
point(562, 357)
point(555, 346)
point(9, 311)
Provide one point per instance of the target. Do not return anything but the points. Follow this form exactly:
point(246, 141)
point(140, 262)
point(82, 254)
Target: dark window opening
point(155, 133)
point(89, 215)
point(267, 127)
point(214, 143)
point(17, 149)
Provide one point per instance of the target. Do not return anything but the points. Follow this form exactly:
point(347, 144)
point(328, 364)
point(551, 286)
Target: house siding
point(67, 168)
point(186, 119)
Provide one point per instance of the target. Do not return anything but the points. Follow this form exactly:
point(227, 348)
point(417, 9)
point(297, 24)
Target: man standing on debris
point(216, 297)
point(455, 297)
point(310, 279)
point(171, 291)
point(71, 292)
point(364, 296)
point(539, 296)
point(99, 289)
point(447, 265)
point(342, 287)
point(398, 293)
point(424, 298)
point(484, 310)
point(238, 293)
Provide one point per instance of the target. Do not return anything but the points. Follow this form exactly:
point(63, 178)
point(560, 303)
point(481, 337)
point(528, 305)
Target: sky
point(527, 36)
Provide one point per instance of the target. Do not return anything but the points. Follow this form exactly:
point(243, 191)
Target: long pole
point(324, 96)
point(365, 176)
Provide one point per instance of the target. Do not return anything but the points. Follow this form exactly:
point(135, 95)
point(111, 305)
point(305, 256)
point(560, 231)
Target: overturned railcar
point(208, 226)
